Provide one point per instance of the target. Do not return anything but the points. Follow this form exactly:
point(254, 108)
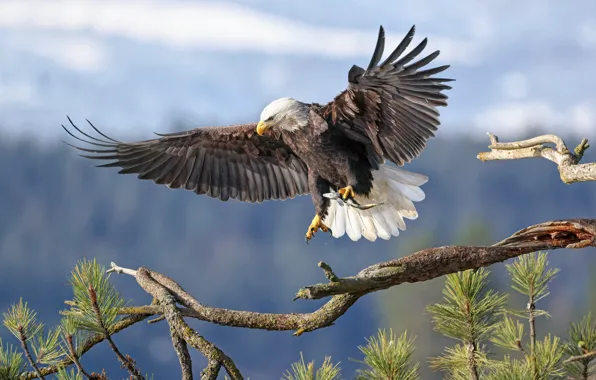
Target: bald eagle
point(338, 152)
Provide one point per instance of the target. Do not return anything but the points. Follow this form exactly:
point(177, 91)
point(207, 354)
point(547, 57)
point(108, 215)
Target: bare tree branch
point(344, 292)
point(567, 162)
point(150, 282)
point(588, 355)
point(183, 355)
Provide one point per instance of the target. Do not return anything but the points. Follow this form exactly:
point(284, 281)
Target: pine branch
point(531, 277)
point(567, 162)
point(388, 357)
point(581, 349)
point(532, 323)
point(25, 347)
point(469, 314)
point(126, 362)
point(75, 358)
point(87, 345)
point(306, 371)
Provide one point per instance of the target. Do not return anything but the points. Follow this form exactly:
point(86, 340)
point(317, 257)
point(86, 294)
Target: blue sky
point(130, 67)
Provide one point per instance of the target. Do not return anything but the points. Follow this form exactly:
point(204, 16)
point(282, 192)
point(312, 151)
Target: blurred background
point(135, 67)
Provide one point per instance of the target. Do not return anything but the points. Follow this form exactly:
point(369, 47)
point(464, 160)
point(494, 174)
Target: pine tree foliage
point(455, 362)
point(306, 371)
point(96, 301)
point(549, 353)
point(582, 340)
point(509, 334)
point(21, 321)
point(470, 313)
point(46, 348)
point(12, 364)
point(530, 275)
point(388, 357)
point(70, 374)
point(509, 369)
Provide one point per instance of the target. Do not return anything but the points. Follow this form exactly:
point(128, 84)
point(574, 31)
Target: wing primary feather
point(84, 133)
point(105, 144)
point(421, 63)
point(400, 48)
point(101, 133)
point(379, 48)
point(411, 55)
point(169, 171)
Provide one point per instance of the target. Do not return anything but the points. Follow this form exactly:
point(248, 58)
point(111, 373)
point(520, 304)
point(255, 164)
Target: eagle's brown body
point(333, 159)
point(387, 113)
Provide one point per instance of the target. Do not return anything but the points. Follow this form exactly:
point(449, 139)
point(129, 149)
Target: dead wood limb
point(344, 292)
point(570, 170)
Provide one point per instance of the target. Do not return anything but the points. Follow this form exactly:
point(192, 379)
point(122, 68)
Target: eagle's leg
point(315, 226)
point(347, 192)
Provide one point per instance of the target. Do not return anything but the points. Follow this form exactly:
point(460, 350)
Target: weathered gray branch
point(344, 292)
point(570, 170)
point(151, 283)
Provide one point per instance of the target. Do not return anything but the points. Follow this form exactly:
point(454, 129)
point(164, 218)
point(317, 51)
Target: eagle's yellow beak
point(261, 128)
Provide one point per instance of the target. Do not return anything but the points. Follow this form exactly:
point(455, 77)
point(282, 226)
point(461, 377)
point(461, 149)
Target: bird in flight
point(345, 153)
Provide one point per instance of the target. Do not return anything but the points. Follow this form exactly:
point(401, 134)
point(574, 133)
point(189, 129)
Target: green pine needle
point(21, 320)
point(71, 374)
point(46, 348)
point(525, 315)
point(509, 369)
point(530, 275)
point(470, 310)
point(388, 357)
point(455, 360)
point(303, 371)
point(89, 281)
point(69, 331)
point(549, 353)
point(509, 334)
point(582, 339)
point(12, 364)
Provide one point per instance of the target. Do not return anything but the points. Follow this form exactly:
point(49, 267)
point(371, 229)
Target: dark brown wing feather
point(222, 162)
point(392, 107)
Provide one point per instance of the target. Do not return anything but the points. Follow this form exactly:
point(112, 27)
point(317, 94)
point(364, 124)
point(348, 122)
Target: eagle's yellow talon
point(314, 227)
point(347, 192)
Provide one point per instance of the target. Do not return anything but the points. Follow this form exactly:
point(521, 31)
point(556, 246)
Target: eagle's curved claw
point(314, 227)
point(347, 192)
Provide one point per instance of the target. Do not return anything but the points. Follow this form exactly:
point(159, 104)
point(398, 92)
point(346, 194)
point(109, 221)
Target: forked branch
point(176, 304)
point(570, 170)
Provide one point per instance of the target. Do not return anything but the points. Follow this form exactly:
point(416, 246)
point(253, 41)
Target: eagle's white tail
point(395, 189)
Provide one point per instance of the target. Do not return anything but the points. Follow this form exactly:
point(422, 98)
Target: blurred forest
point(56, 208)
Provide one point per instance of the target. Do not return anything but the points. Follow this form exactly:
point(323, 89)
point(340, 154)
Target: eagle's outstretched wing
point(391, 107)
point(222, 162)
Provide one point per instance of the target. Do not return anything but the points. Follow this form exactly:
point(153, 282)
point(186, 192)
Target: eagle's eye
point(269, 118)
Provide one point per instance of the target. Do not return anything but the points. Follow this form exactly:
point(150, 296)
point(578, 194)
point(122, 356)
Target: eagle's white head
point(284, 113)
